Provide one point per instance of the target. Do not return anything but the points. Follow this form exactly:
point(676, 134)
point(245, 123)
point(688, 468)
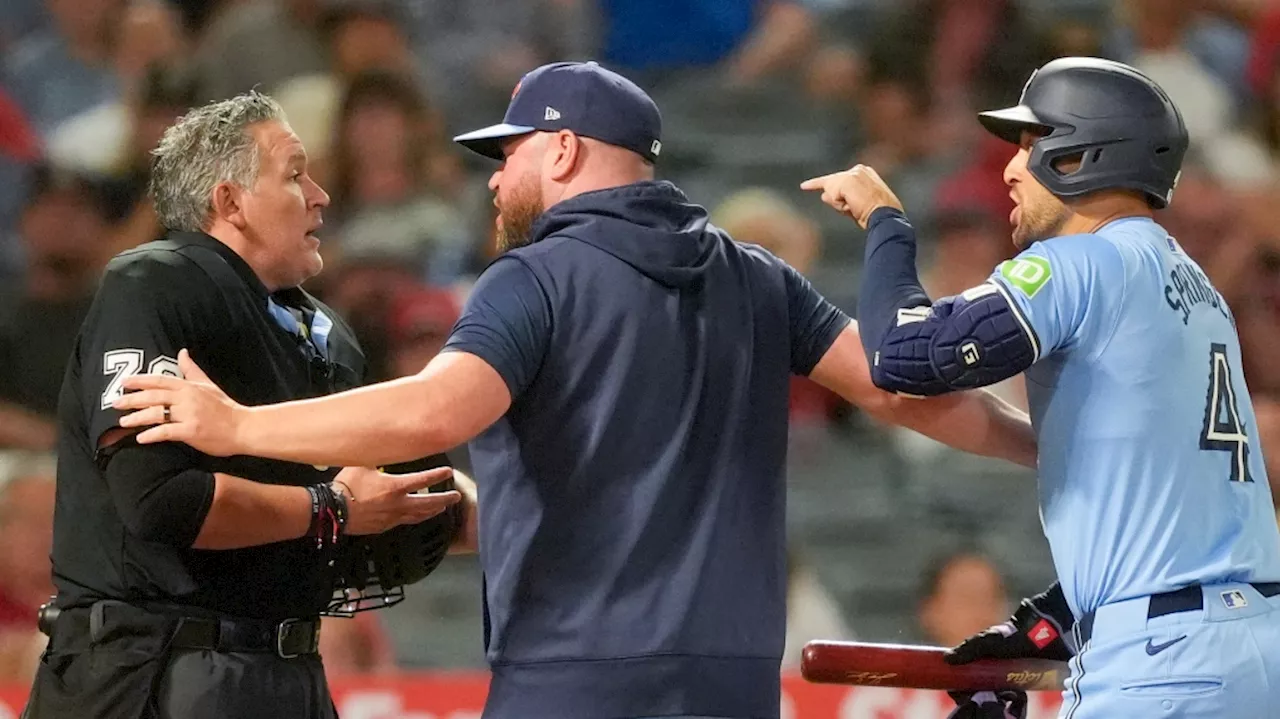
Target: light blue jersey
point(1150, 476)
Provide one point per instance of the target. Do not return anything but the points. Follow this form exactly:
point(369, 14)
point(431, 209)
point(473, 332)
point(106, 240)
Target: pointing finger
point(817, 183)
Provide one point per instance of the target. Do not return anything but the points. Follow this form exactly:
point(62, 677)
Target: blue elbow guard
point(972, 340)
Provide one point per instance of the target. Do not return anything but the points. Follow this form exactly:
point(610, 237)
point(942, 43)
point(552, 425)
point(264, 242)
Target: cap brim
point(1008, 124)
point(488, 141)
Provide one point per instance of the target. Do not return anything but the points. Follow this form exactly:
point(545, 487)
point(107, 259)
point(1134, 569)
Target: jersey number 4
point(1223, 431)
point(123, 363)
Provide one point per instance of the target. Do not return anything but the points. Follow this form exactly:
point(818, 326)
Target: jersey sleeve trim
point(1020, 317)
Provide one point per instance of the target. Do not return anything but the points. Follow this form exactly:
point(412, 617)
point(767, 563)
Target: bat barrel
point(915, 667)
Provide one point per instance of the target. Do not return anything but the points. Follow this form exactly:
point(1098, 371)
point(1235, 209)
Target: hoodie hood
point(651, 226)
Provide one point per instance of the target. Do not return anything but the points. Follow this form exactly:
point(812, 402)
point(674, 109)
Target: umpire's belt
point(1187, 599)
point(288, 639)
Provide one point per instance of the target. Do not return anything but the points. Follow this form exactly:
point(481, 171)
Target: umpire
point(190, 586)
point(622, 374)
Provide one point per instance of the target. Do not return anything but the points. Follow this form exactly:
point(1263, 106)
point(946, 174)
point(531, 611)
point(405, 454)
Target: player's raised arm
point(914, 346)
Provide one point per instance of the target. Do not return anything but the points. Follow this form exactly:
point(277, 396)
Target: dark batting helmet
point(1122, 125)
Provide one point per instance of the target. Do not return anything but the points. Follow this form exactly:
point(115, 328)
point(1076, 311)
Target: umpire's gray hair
point(208, 145)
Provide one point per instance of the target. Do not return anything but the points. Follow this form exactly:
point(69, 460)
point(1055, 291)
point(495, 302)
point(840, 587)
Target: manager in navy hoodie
point(621, 373)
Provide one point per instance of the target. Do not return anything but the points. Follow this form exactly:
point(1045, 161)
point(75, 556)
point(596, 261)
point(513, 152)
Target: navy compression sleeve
point(920, 348)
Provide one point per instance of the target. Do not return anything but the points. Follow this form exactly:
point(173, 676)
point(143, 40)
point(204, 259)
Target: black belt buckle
point(291, 629)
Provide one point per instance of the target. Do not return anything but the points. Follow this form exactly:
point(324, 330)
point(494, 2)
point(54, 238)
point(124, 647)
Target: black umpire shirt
point(190, 291)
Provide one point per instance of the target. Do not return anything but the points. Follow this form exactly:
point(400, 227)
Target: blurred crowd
point(756, 96)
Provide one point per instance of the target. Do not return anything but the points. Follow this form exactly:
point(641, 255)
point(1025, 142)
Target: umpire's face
point(281, 213)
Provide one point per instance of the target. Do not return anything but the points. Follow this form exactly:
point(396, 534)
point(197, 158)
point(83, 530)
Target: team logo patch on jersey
point(1234, 599)
point(1028, 274)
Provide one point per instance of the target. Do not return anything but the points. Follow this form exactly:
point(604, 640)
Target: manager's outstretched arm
point(454, 398)
point(493, 353)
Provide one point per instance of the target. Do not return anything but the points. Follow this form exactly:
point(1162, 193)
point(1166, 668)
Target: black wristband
point(316, 528)
point(329, 520)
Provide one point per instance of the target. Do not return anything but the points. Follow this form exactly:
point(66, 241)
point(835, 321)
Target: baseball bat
point(920, 667)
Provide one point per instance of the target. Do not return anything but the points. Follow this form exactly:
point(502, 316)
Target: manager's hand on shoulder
point(856, 192)
point(193, 410)
point(377, 501)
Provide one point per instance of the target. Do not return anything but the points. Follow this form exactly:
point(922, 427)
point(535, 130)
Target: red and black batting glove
point(1037, 630)
point(1008, 704)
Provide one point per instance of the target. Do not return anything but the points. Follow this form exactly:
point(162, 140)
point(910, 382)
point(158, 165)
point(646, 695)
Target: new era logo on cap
point(579, 96)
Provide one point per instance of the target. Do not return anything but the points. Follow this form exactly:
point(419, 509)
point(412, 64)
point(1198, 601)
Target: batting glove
point(1038, 630)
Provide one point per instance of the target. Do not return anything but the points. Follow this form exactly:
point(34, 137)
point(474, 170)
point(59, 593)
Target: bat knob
point(809, 657)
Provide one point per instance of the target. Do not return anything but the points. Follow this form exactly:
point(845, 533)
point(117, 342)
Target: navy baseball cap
point(579, 96)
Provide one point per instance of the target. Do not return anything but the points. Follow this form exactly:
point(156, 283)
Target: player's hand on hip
point(193, 410)
point(1036, 630)
point(989, 705)
point(856, 192)
point(378, 501)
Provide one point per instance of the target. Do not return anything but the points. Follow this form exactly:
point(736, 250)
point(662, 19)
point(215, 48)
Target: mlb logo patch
point(1234, 599)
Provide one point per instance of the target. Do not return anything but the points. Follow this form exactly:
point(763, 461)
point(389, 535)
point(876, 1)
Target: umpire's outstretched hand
point(378, 502)
point(856, 192)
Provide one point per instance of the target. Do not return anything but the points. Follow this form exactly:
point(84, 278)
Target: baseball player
point(1153, 492)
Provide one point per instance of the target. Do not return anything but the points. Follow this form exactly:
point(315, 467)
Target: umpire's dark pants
point(126, 663)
